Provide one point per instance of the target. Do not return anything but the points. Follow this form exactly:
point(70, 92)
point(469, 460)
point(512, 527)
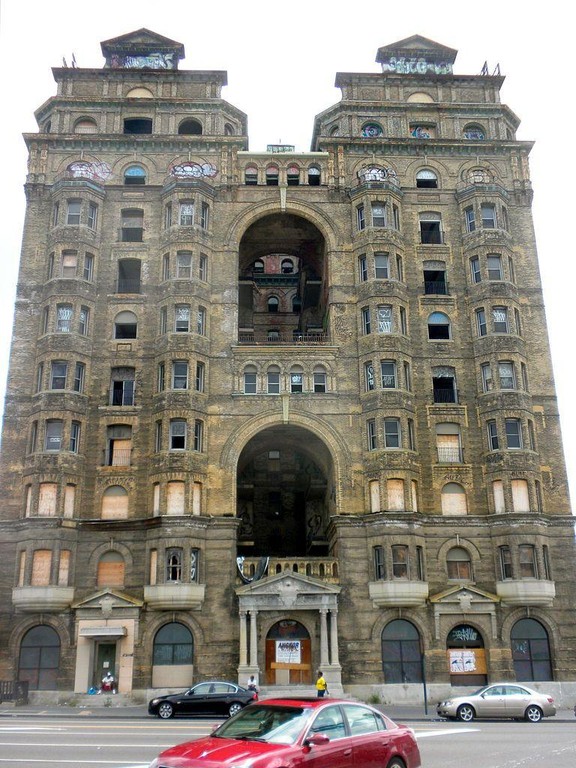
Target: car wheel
point(533, 713)
point(465, 713)
point(234, 708)
point(396, 762)
point(165, 710)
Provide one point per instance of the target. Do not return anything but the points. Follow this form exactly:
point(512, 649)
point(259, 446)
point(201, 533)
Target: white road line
point(45, 761)
point(444, 732)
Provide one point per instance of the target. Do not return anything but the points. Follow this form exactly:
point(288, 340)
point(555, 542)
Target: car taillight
point(254, 697)
point(549, 699)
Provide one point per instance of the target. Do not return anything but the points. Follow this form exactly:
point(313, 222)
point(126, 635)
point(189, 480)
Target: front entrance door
point(288, 654)
point(105, 661)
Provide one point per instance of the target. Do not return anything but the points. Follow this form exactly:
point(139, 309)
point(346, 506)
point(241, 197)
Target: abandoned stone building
point(270, 412)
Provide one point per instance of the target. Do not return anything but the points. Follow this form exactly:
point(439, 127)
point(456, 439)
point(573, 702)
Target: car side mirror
point(317, 739)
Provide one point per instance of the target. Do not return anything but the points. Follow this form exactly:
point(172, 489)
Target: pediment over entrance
point(288, 590)
point(464, 603)
point(463, 595)
point(106, 601)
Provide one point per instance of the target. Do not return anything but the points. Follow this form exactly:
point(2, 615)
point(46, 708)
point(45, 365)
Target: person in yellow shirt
point(321, 685)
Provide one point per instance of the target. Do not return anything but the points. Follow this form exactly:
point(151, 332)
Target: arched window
point(531, 651)
point(438, 326)
point(296, 379)
point(85, 125)
point(430, 228)
point(454, 500)
point(173, 644)
point(287, 266)
point(293, 175)
point(474, 132)
point(250, 375)
point(111, 569)
point(426, 179)
point(258, 267)
point(114, 503)
point(272, 176)
point(251, 176)
point(314, 176)
point(40, 658)
point(134, 175)
point(273, 304)
point(139, 93)
point(273, 380)
point(459, 564)
point(401, 653)
point(371, 130)
point(125, 325)
point(320, 379)
point(190, 128)
point(174, 564)
point(228, 129)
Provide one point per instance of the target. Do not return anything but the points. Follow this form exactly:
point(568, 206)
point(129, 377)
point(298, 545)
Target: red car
point(300, 733)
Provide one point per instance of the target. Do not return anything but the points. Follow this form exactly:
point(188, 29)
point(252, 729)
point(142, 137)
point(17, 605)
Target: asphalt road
point(59, 742)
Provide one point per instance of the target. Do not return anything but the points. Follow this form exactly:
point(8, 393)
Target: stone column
point(334, 660)
point(243, 640)
point(323, 638)
point(253, 640)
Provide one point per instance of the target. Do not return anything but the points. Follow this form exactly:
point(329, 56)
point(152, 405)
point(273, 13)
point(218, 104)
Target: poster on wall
point(462, 662)
point(288, 651)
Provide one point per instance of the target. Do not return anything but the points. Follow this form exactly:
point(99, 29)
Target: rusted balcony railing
point(275, 338)
point(322, 568)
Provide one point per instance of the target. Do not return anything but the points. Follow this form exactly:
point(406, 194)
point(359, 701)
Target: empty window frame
point(132, 226)
point(439, 327)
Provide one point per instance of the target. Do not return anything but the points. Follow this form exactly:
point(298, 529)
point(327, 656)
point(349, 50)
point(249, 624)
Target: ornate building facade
point(275, 411)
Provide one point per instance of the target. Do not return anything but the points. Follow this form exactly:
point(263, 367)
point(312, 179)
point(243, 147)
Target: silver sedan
point(499, 700)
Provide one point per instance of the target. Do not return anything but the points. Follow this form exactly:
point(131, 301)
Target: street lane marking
point(445, 732)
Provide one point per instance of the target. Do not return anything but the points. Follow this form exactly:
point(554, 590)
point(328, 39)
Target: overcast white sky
point(281, 60)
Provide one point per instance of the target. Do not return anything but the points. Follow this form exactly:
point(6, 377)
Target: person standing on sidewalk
point(321, 685)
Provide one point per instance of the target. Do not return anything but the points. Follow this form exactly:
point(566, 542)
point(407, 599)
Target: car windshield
point(258, 722)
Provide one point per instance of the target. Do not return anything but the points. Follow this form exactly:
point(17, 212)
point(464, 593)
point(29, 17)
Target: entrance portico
point(302, 599)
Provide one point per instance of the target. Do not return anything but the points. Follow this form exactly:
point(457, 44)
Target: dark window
point(138, 125)
point(173, 644)
point(401, 653)
point(531, 651)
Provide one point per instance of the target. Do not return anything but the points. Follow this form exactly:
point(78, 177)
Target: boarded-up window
point(498, 491)
point(114, 503)
point(69, 499)
point(153, 578)
point(454, 500)
point(47, 499)
point(21, 569)
point(41, 568)
point(414, 494)
point(197, 499)
point(111, 570)
point(64, 568)
point(374, 496)
point(520, 497)
point(395, 494)
point(175, 498)
point(28, 500)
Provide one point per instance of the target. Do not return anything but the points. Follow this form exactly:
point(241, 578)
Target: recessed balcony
point(401, 593)
point(526, 591)
point(175, 596)
point(42, 599)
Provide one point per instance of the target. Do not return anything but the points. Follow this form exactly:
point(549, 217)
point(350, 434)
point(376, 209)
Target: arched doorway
point(285, 477)
point(288, 654)
point(401, 653)
point(531, 651)
point(466, 656)
point(172, 656)
point(39, 658)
